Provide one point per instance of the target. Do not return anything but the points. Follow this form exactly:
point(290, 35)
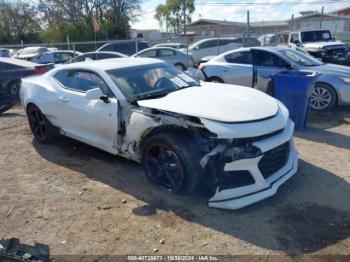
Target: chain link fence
point(252, 34)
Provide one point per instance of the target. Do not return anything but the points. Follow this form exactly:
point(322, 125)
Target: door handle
point(64, 99)
point(225, 69)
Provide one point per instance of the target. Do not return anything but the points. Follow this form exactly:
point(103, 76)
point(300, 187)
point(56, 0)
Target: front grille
point(274, 160)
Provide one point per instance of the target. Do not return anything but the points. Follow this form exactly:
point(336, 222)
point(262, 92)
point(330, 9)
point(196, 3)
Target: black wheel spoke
point(163, 167)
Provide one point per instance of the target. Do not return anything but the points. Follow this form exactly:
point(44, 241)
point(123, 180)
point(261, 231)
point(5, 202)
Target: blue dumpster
point(293, 89)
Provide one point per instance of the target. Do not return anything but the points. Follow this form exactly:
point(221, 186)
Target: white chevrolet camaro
point(238, 141)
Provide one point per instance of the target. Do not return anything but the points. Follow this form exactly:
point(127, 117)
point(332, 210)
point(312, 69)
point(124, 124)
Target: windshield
point(301, 58)
point(316, 36)
point(146, 82)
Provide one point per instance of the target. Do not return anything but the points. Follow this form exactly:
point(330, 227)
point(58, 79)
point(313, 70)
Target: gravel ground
point(79, 200)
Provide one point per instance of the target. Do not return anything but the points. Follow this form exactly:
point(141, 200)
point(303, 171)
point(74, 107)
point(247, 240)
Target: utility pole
point(292, 23)
point(321, 19)
point(248, 25)
point(185, 33)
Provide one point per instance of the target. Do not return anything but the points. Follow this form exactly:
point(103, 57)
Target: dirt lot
point(69, 196)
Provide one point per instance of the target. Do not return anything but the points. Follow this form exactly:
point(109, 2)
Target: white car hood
point(218, 102)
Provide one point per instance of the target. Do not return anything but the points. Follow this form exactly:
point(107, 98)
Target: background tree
point(54, 20)
point(18, 22)
point(175, 14)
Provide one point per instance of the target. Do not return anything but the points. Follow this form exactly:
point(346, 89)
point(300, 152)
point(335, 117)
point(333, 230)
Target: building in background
point(308, 20)
point(344, 11)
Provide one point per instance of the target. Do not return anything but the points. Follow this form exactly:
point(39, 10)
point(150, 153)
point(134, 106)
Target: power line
point(317, 2)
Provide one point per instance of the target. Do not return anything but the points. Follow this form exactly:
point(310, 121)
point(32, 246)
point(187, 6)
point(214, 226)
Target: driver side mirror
point(96, 94)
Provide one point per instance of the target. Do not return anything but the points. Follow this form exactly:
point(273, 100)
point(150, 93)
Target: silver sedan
point(170, 55)
point(236, 67)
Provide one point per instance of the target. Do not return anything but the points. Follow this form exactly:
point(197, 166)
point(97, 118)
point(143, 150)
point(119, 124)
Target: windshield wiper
point(152, 96)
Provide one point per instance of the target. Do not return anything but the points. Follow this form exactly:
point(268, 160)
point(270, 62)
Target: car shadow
point(10, 114)
point(320, 123)
point(309, 213)
point(334, 118)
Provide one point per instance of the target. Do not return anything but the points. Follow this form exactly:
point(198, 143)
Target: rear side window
point(63, 57)
point(208, 44)
point(166, 53)
point(263, 58)
point(106, 56)
point(84, 57)
point(150, 53)
point(239, 58)
point(82, 81)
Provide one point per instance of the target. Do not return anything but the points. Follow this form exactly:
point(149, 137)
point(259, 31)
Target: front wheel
point(323, 97)
point(41, 127)
point(171, 162)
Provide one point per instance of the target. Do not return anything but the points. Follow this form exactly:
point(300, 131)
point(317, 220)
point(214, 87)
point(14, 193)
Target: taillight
point(39, 70)
point(201, 67)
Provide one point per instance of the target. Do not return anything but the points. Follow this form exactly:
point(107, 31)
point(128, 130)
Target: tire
point(167, 157)
point(180, 66)
point(323, 97)
point(40, 126)
point(215, 79)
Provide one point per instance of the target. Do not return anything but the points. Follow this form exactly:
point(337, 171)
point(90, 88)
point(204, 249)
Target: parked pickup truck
point(321, 44)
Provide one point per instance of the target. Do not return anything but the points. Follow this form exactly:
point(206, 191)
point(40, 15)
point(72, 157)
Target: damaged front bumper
point(277, 162)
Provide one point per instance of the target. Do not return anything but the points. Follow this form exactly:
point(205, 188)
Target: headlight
point(345, 80)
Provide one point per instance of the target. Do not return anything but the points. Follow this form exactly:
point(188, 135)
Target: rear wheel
point(171, 163)
point(215, 79)
point(323, 97)
point(41, 127)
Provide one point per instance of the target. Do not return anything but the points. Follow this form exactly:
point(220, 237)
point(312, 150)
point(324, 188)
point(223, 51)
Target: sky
point(261, 12)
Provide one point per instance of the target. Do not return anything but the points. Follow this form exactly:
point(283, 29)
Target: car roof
point(103, 52)
point(159, 47)
point(168, 44)
point(112, 63)
point(214, 38)
point(273, 49)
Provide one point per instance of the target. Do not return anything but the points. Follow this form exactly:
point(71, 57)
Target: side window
point(82, 58)
point(239, 58)
point(208, 44)
point(106, 56)
point(62, 57)
point(82, 81)
point(165, 53)
point(150, 53)
point(263, 58)
point(294, 37)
